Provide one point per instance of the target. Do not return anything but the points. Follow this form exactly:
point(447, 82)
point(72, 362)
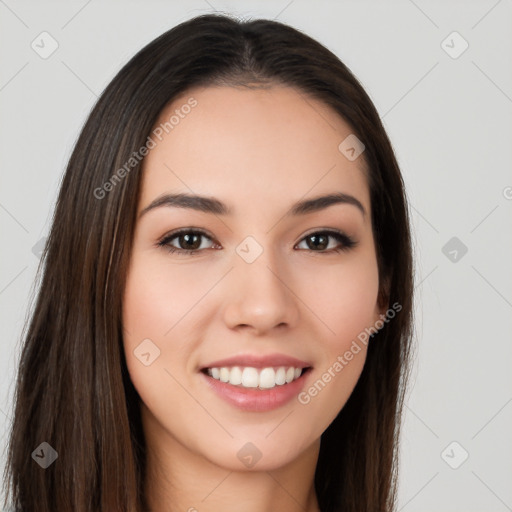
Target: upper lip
point(258, 361)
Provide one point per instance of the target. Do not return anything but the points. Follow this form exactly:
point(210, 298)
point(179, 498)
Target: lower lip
point(255, 399)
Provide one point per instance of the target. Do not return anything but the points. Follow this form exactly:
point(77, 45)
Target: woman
point(225, 316)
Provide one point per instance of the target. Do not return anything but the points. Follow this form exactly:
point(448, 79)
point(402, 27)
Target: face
point(240, 313)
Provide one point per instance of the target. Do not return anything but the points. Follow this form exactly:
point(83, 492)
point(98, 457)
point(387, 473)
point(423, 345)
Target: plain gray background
point(448, 115)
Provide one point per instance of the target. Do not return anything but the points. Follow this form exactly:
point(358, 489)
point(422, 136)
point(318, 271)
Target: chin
point(244, 455)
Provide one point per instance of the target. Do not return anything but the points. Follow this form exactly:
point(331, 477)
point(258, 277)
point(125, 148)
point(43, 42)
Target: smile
point(249, 377)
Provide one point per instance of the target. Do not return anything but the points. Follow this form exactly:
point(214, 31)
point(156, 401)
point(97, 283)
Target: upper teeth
point(252, 377)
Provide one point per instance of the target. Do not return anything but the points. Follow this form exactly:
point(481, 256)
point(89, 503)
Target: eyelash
point(347, 242)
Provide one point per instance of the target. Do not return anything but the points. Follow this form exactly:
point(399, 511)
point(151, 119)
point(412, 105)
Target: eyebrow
point(214, 206)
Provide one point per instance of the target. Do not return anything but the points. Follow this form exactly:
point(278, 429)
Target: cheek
point(355, 306)
point(158, 298)
point(343, 298)
point(150, 310)
point(160, 304)
point(148, 305)
point(327, 393)
point(347, 307)
point(148, 315)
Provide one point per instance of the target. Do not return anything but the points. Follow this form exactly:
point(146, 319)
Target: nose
point(260, 297)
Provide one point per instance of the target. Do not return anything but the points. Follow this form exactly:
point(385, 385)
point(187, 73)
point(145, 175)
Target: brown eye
point(187, 241)
point(319, 241)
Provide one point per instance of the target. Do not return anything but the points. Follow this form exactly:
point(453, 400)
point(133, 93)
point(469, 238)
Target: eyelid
point(179, 231)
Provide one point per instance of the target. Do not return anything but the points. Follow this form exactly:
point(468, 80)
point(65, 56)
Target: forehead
point(271, 145)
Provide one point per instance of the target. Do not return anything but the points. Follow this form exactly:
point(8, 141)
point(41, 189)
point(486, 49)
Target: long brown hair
point(73, 388)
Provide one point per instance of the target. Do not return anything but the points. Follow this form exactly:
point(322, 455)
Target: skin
point(259, 151)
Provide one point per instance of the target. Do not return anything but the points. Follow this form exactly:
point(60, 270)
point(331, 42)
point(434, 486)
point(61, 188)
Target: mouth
point(257, 383)
point(256, 378)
